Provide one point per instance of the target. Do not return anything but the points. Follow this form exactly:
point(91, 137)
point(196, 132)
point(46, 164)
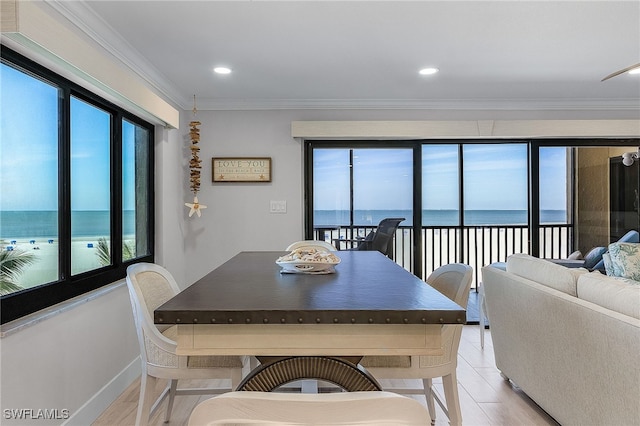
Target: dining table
point(309, 324)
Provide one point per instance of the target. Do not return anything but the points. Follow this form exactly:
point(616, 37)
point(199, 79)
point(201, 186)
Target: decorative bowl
point(308, 260)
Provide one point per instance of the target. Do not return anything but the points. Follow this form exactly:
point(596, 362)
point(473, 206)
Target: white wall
point(79, 360)
point(237, 216)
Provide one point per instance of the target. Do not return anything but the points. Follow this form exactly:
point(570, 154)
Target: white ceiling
point(366, 54)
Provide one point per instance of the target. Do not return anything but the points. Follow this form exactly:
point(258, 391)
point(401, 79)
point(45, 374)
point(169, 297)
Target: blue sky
point(495, 178)
point(29, 149)
point(28, 158)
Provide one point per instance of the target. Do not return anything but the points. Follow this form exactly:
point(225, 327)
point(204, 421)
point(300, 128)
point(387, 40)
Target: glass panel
point(440, 185)
point(135, 191)
point(555, 185)
point(28, 181)
point(623, 194)
point(382, 185)
point(606, 190)
point(555, 202)
point(495, 184)
point(90, 187)
point(331, 183)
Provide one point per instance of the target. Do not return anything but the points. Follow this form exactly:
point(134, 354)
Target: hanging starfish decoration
point(194, 165)
point(195, 207)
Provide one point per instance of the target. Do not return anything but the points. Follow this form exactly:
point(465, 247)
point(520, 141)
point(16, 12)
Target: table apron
point(309, 339)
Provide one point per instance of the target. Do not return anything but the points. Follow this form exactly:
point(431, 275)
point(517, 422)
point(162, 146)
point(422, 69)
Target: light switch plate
point(278, 207)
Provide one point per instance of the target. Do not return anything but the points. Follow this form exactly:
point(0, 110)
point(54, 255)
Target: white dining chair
point(150, 286)
point(312, 244)
point(454, 281)
point(343, 408)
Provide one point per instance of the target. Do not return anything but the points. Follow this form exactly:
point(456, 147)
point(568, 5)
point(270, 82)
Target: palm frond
point(12, 265)
point(128, 251)
point(103, 251)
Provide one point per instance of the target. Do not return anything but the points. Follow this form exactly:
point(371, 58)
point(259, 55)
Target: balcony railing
point(474, 245)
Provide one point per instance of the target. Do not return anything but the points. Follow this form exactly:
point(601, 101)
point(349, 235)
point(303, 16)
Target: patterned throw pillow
point(625, 260)
point(608, 266)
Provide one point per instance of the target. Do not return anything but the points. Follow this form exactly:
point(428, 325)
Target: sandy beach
point(45, 268)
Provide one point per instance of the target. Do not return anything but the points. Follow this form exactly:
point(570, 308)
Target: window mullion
point(64, 176)
point(116, 189)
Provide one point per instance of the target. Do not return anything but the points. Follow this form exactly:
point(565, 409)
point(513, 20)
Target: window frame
point(22, 303)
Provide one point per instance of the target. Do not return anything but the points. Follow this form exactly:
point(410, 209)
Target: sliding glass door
point(355, 188)
point(475, 202)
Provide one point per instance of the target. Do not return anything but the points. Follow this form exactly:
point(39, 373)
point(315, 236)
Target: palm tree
point(12, 264)
point(103, 251)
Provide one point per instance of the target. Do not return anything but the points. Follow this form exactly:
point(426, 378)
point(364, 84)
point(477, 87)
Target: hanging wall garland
point(194, 165)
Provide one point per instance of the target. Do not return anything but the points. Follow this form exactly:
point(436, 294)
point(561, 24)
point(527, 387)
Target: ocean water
point(36, 223)
point(437, 217)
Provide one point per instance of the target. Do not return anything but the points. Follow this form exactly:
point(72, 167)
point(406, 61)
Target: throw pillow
point(593, 256)
point(608, 266)
point(625, 260)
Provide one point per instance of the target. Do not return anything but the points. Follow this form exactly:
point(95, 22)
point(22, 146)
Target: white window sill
point(37, 317)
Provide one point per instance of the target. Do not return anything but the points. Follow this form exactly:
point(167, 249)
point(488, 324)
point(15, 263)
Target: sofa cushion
point(545, 272)
point(625, 260)
point(618, 294)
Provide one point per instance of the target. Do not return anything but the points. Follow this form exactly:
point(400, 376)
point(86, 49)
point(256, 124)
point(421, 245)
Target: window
point(382, 185)
point(555, 184)
point(76, 179)
point(136, 193)
point(440, 185)
point(354, 189)
point(90, 186)
point(331, 187)
point(480, 200)
point(495, 188)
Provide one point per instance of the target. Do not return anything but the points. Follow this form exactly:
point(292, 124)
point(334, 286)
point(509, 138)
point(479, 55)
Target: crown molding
point(94, 27)
point(423, 104)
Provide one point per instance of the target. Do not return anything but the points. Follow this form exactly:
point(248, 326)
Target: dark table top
point(367, 288)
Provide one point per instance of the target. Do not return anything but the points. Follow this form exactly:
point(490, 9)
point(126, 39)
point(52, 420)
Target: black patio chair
point(382, 238)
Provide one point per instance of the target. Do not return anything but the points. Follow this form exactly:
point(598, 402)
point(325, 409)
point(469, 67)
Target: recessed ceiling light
point(635, 71)
point(222, 70)
point(428, 71)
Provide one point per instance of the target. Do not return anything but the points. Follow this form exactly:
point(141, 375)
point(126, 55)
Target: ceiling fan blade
point(622, 71)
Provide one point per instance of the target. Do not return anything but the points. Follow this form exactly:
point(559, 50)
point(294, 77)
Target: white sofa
point(569, 338)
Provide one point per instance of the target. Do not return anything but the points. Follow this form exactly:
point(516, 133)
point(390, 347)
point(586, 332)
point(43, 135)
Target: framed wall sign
point(241, 169)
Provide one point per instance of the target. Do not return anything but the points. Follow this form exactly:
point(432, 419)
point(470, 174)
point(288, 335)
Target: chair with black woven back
point(382, 238)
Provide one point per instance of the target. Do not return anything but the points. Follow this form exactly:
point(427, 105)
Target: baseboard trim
point(101, 400)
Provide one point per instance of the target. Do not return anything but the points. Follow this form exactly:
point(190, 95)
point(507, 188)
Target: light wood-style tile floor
point(485, 397)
